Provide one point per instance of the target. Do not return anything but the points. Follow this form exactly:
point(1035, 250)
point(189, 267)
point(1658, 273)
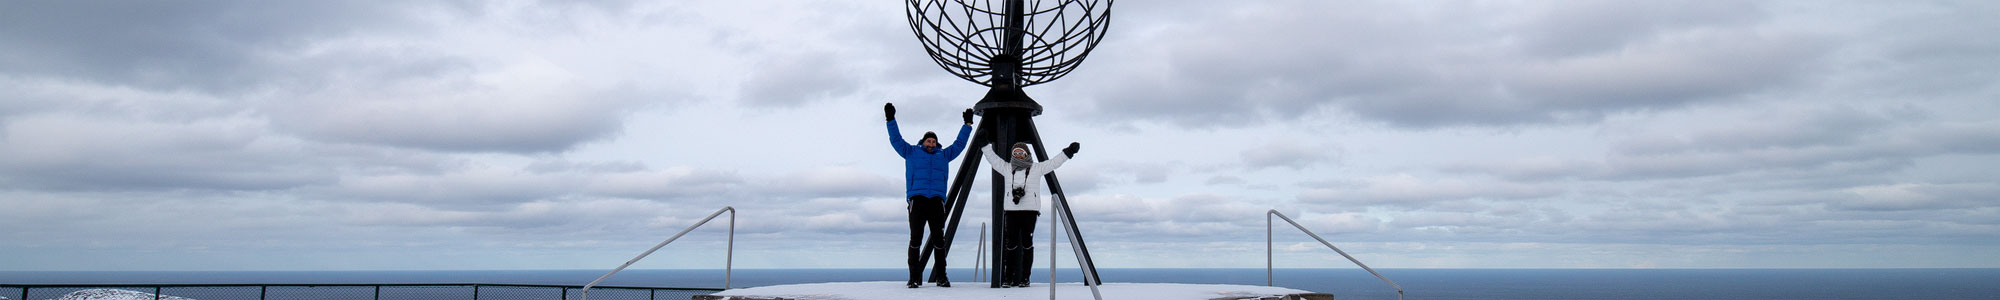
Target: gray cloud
point(1308, 58)
point(234, 45)
point(837, 182)
point(1286, 153)
point(1903, 197)
point(798, 79)
point(1411, 192)
point(343, 72)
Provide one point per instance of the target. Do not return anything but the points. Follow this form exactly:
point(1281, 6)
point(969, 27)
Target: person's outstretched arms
point(1046, 166)
point(956, 144)
point(993, 160)
point(895, 134)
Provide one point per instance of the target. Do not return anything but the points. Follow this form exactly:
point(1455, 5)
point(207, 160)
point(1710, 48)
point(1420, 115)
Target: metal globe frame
point(1007, 45)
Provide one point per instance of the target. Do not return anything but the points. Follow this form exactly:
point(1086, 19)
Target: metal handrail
point(1075, 245)
point(727, 264)
point(979, 256)
point(1267, 252)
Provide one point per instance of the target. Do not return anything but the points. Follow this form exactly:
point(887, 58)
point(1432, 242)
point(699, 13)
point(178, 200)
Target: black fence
point(441, 291)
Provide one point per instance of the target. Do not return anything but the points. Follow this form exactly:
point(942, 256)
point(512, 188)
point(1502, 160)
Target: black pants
point(1018, 242)
point(926, 212)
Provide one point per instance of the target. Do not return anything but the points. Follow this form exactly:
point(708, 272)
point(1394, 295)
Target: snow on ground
point(894, 290)
point(113, 294)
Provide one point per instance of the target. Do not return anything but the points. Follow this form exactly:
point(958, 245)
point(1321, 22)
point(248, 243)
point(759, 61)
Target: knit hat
point(929, 135)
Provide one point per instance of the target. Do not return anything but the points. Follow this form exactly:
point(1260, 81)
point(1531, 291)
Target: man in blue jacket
point(926, 168)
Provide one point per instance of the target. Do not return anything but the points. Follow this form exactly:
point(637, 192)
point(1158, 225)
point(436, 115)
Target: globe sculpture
point(970, 39)
point(1005, 46)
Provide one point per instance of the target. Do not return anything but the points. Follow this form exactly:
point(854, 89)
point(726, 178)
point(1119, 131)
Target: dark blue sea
point(1343, 283)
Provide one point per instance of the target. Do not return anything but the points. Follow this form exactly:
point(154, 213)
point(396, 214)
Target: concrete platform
point(894, 290)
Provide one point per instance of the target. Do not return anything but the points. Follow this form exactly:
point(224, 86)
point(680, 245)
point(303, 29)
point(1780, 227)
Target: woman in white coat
point(1024, 182)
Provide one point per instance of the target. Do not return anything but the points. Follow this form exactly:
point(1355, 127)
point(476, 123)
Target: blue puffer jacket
point(925, 172)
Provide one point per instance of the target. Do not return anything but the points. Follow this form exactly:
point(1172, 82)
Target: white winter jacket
point(1030, 179)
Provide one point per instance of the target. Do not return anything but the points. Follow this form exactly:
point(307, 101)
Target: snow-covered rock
point(113, 294)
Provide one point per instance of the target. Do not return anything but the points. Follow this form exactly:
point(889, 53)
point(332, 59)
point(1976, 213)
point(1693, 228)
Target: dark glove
point(968, 116)
point(889, 111)
point(1071, 150)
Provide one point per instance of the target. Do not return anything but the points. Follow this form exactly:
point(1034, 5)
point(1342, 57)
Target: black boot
point(1007, 258)
point(1025, 266)
point(937, 272)
point(916, 269)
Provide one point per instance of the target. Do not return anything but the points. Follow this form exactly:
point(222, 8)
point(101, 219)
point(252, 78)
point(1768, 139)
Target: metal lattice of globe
point(966, 36)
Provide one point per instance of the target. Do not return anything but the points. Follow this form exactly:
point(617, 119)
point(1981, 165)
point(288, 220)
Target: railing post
point(729, 253)
point(979, 256)
point(475, 292)
point(378, 292)
point(264, 291)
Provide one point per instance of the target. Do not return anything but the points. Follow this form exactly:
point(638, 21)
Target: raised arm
point(1044, 167)
point(958, 145)
point(994, 161)
point(896, 140)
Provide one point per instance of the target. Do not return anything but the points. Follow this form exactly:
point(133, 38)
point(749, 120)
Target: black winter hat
point(929, 135)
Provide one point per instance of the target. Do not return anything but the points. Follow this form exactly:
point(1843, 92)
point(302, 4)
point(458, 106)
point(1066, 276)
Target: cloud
point(152, 44)
point(798, 79)
point(1411, 192)
point(1912, 196)
point(669, 183)
point(69, 152)
point(1782, 140)
point(1253, 64)
point(1285, 153)
point(837, 182)
point(532, 106)
point(337, 72)
point(1184, 217)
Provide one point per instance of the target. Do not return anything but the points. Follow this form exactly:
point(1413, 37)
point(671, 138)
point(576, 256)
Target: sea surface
point(1343, 283)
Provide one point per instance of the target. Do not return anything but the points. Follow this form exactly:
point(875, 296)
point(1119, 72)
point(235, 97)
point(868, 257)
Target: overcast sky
point(334, 135)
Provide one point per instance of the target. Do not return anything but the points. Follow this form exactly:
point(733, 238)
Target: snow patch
point(113, 294)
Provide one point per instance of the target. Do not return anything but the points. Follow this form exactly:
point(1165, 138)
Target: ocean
point(1343, 283)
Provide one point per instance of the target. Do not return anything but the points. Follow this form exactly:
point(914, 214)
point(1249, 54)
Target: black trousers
point(1018, 244)
point(926, 212)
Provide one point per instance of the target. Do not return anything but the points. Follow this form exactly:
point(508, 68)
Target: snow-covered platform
point(894, 290)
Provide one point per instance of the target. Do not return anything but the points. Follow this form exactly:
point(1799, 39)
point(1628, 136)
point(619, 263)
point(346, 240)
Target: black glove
point(1071, 150)
point(889, 111)
point(968, 116)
